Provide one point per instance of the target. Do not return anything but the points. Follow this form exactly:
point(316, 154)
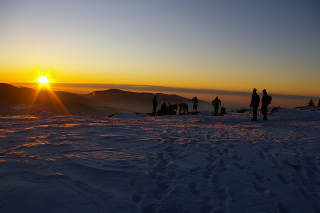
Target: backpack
point(269, 99)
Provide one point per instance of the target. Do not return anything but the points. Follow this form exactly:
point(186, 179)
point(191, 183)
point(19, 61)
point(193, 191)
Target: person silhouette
point(216, 103)
point(155, 104)
point(195, 103)
point(164, 108)
point(255, 100)
point(264, 104)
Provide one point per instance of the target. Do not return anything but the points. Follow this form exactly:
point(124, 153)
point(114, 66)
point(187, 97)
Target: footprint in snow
point(305, 192)
point(209, 167)
point(258, 188)
point(161, 166)
point(169, 149)
point(222, 165)
point(211, 158)
point(216, 181)
point(137, 198)
point(194, 188)
point(174, 155)
point(195, 170)
point(275, 161)
point(239, 166)
point(262, 155)
point(223, 192)
point(283, 208)
point(206, 174)
point(283, 178)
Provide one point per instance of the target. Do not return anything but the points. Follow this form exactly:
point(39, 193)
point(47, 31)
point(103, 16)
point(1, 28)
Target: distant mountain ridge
point(97, 103)
point(138, 101)
point(32, 101)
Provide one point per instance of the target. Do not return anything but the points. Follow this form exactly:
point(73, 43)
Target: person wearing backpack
point(216, 103)
point(265, 101)
point(255, 100)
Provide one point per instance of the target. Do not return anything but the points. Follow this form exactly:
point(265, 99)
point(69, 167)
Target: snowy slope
point(137, 163)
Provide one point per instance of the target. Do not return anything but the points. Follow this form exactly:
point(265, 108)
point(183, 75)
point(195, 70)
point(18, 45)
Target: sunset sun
point(43, 80)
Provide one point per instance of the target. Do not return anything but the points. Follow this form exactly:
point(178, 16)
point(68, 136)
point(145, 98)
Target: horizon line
point(155, 88)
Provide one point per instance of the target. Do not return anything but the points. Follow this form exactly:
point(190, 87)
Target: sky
point(214, 45)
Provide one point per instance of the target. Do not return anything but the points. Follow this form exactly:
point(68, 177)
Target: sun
point(43, 80)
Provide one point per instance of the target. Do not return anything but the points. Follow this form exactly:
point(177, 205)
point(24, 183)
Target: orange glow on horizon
point(48, 94)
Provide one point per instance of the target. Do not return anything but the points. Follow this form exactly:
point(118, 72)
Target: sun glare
point(43, 80)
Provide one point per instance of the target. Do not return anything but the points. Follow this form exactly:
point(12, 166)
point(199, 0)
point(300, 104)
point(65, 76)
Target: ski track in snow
point(172, 164)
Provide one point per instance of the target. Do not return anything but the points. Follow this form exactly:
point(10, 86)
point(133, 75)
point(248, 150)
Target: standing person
point(255, 100)
point(155, 104)
point(164, 108)
point(195, 103)
point(265, 101)
point(216, 103)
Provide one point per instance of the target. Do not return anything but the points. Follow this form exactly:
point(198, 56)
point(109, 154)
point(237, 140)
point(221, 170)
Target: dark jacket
point(216, 102)
point(255, 100)
point(265, 100)
point(155, 102)
point(164, 107)
point(195, 101)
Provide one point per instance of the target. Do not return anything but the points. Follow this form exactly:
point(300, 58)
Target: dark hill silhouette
point(58, 102)
point(11, 95)
point(140, 101)
point(97, 103)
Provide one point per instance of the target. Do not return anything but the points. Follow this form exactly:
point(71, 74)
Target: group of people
point(216, 104)
point(165, 110)
point(265, 101)
point(255, 101)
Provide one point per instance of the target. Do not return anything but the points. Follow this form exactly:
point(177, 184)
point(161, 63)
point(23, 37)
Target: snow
point(20, 106)
point(140, 163)
point(84, 115)
point(130, 115)
point(46, 115)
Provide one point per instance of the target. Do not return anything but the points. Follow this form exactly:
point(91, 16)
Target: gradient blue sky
point(220, 45)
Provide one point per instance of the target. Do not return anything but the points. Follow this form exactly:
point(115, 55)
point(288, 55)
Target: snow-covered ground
point(136, 163)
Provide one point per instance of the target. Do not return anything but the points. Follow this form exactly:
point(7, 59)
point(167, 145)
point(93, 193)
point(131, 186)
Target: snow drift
point(132, 163)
